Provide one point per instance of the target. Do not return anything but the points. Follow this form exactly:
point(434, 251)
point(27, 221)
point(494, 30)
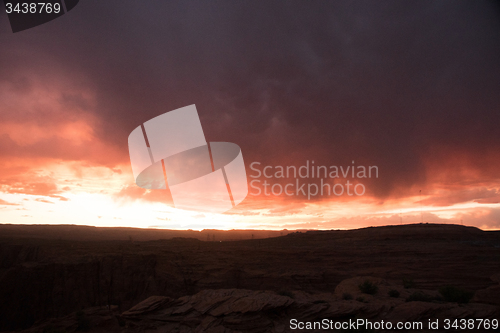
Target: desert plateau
point(69, 278)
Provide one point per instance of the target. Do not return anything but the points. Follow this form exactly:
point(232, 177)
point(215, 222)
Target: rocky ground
point(396, 273)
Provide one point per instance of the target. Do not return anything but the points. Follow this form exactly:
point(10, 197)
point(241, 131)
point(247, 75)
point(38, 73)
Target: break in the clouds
point(411, 87)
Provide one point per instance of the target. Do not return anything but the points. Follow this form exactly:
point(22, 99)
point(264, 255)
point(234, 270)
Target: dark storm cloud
point(381, 83)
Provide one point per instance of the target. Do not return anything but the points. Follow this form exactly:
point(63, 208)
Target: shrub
point(421, 297)
point(454, 294)
point(82, 321)
point(368, 287)
point(346, 296)
point(52, 329)
point(286, 293)
point(408, 283)
point(319, 301)
point(394, 293)
point(121, 321)
point(360, 299)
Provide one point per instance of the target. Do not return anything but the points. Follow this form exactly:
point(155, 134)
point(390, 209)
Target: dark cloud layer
point(402, 85)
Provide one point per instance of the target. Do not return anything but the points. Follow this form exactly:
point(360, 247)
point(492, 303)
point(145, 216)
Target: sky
point(408, 87)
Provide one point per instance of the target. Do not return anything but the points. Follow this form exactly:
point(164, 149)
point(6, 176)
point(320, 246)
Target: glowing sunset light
point(416, 119)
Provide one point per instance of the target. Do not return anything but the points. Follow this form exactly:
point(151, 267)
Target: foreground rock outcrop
point(490, 295)
point(240, 310)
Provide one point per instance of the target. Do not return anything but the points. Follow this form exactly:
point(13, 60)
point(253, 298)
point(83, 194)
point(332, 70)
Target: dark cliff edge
point(52, 277)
